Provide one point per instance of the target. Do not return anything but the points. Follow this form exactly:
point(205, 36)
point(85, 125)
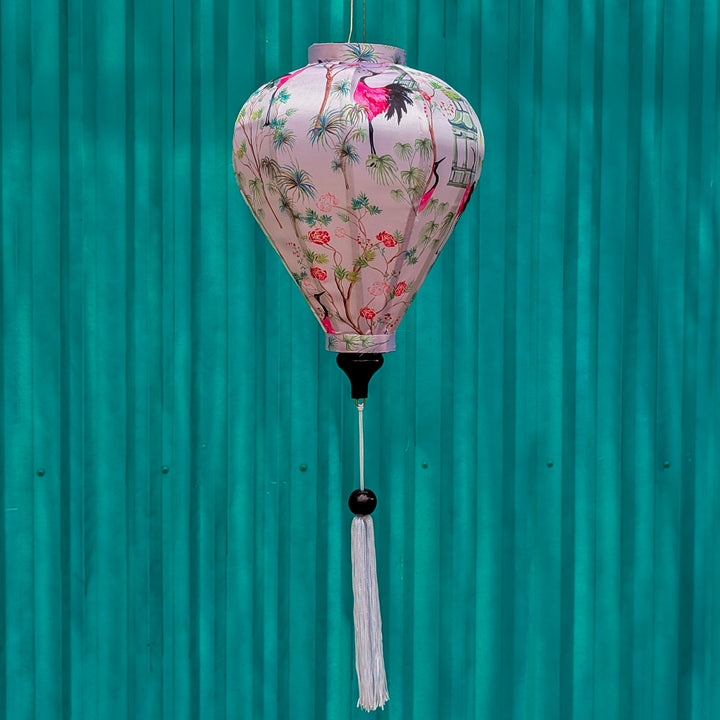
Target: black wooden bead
point(362, 502)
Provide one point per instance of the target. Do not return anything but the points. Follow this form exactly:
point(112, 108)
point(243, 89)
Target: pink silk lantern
point(357, 168)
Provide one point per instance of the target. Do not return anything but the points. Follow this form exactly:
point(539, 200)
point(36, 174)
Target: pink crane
point(425, 199)
point(278, 84)
point(390, 99)
point(468, 190)
point(326, 322)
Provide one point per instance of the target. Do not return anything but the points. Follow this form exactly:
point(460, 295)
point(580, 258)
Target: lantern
point(357, 168)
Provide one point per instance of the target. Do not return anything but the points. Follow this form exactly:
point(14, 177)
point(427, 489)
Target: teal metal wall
point(174, 541)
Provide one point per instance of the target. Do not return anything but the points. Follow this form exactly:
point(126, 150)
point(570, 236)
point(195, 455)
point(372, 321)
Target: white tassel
point(369, 660)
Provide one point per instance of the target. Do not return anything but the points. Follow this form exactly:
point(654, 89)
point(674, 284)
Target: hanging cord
point(361, 441)
point(352, 12)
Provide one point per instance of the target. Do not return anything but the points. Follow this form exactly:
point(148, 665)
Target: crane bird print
point(391, 99)
point(357, 168)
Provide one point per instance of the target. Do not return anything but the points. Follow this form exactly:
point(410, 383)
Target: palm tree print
point(356, 228)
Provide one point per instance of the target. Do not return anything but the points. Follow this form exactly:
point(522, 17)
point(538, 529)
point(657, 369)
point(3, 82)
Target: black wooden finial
point(359, 367)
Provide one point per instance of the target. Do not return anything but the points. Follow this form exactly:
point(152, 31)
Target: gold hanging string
point(352, 13)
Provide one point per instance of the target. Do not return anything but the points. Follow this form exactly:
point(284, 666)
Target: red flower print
point(386, 239)
point(400, 288)
point(319, 237)
point(367, 312)
point(318, 273)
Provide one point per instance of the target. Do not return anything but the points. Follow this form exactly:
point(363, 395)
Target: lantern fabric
point(357, 168)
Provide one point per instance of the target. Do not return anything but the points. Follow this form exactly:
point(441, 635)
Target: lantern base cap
point(348, 343)
point(359, 367)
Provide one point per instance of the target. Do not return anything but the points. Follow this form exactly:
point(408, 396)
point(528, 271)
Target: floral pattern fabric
point(357, 168)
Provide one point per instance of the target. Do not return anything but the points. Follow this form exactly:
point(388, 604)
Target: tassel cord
point(361, 442)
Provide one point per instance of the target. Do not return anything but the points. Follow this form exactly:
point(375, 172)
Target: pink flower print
point(367, 312)
point(400, 288)
point(379, 288)
point(326, 202)
point(318, 273)
point(340, 232)
point(319, 237)
point(386, 239)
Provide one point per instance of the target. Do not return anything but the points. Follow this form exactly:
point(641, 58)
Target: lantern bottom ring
point(348, 343)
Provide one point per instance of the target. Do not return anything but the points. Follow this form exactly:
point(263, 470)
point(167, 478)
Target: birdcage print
point(466, 135)
point(407, 81)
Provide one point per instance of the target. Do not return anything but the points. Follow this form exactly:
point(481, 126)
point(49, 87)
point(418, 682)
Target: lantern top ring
point(350, 53)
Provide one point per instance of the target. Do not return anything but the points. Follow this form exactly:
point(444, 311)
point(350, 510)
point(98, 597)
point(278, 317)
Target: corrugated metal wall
point(175, 538)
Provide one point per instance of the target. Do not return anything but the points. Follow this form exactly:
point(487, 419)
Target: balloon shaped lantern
point(357, 168)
